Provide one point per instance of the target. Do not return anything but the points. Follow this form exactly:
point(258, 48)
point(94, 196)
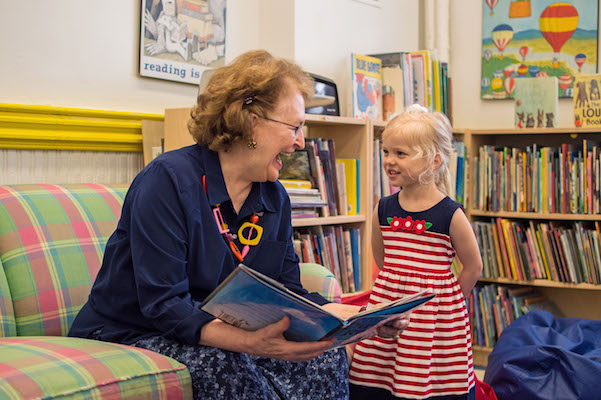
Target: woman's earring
point(251, 144)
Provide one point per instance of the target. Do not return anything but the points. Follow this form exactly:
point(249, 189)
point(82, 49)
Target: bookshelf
point(353, 139)
point(572, 299)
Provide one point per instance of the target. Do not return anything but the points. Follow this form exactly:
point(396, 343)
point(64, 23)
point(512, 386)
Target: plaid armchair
point(52, 240)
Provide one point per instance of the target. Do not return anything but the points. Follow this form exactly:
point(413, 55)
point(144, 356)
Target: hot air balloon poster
point(555, 39)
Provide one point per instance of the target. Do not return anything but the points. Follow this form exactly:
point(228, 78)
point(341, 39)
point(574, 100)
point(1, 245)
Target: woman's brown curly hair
point(221, 116)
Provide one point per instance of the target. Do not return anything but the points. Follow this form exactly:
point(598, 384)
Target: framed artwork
point(528, 38)
point(179, 39)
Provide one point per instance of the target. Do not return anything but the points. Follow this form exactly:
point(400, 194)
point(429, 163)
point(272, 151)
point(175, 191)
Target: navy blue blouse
point(166, 255)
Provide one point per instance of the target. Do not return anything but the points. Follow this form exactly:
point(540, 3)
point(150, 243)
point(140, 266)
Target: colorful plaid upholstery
point(52, 240)
point(316, 278)
point(73, 368)
point(7, 315)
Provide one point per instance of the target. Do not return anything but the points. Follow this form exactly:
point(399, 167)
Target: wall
point(469, 111)
point(327, 32)
point(85, 54)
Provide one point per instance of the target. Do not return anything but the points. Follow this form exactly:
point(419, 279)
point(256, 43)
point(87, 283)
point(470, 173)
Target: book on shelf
point(393, 101)
point(493, 307)
point(342, 194)
point(460, 172)
point(296, 184)
point(355, 236)
point(560, 252)
point(250, 300)
point(587, 101)
point(352, 187)
point(336, 248)
point(366, 75)
point(536, 102)
point(317, 174)
point(548, 179)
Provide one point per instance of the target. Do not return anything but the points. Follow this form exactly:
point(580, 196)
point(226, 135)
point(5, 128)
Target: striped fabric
point(73, 368)
point(52, 239)
point(7, 315)
point(433, 356)
point(316, 278)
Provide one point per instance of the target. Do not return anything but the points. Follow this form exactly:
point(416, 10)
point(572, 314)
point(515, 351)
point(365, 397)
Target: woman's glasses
point(297, 128)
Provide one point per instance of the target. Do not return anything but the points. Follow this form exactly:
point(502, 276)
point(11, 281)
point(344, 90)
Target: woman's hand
point(270, 342)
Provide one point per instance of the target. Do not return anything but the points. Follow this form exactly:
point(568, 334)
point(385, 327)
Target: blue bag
point(540, 357)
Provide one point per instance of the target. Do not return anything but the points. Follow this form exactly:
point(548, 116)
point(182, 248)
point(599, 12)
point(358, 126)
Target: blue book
point(460, 148)
point(356, 252)
point(250, 300)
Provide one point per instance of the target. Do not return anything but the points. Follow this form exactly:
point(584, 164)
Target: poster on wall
point(528, 38)
point(179, 39)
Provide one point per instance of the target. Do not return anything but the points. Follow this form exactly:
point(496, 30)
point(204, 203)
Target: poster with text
point(527, 38)
point(180, 39)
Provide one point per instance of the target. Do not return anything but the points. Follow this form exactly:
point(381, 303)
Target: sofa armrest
point(317, 278)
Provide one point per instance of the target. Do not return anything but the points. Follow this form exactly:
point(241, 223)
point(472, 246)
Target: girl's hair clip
point(249, 99)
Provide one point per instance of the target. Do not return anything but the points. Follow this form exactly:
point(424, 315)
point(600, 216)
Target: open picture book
point(250, 300)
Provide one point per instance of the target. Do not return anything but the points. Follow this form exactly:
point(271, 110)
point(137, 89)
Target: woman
point(167, 253)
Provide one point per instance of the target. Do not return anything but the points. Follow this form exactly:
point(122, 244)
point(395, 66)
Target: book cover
point(295, 166)
point(393, 101)
point(250, 300)
point(536, 102)
point(366, 73)
point(587, 101)
point(395, 82)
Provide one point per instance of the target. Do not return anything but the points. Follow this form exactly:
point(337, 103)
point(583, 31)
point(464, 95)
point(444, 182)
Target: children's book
point(536, 101)
point(587, 101)
point(250, 300)
point(366, 73)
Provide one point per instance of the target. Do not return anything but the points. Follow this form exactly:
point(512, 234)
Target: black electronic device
point(325, 100)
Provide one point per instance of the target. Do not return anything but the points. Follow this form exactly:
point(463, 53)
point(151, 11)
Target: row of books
point(457, 169)
point(336, 247)
point(318, 183)
point(383, 84)
point(493, 307)
point(562, 179)
point(544, 250)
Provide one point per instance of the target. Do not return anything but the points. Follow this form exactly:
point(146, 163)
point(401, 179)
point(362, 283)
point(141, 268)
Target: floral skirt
point(222, 374)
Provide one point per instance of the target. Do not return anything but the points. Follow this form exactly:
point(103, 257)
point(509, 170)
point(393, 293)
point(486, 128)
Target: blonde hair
point(428, 134)
point(251, 84)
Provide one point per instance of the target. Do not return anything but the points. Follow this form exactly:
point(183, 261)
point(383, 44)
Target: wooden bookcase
point(353, 139)
point(573, 300)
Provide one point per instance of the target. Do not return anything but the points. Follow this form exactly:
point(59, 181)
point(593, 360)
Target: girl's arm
point(377, 242)
point(465, 244)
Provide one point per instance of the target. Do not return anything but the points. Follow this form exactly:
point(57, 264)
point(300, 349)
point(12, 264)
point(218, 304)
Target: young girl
point(416, 234)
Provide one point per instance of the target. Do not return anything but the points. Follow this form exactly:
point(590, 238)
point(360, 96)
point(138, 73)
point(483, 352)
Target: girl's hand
point(393, 329)
point(270, 342)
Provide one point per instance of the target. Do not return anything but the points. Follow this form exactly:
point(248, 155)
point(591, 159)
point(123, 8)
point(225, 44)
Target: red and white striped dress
point(432, 358)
